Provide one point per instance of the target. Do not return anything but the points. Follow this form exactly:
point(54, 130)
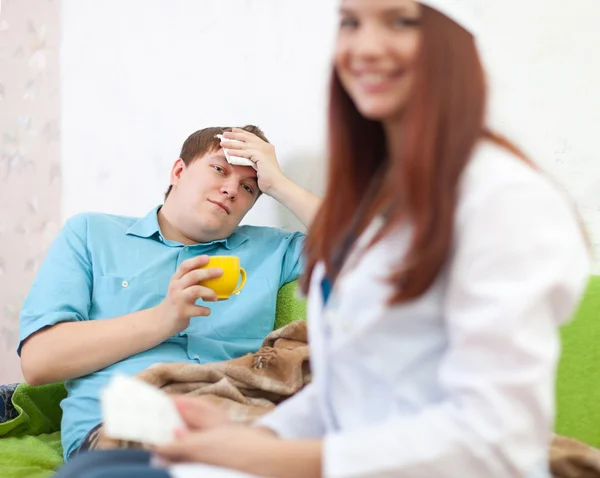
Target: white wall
point(544, 71)
point(139, 75)
point(170, 67)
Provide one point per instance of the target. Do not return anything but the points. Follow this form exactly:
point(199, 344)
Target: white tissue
point(235, 160)
point(133, 410)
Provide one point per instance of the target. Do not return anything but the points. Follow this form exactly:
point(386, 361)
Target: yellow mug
point(226, 285)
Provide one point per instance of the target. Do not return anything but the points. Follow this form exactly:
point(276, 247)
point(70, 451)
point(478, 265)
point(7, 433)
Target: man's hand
point(179, 305)
point(271, 180)
point(261, 153)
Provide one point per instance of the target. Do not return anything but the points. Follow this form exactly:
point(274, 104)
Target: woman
point(438, 271)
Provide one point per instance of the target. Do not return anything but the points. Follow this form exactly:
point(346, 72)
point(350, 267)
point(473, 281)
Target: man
point(118, 294)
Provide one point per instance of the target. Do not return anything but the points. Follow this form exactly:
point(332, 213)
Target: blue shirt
point(102, 266)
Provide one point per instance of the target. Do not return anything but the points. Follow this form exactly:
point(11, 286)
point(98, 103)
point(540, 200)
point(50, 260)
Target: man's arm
point(59, 342)
point(302, 203)
point(69, 350)
point(271, 180)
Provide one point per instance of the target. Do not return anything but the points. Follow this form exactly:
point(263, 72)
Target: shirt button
point(186, 249)
point(124, 284)
point(196, 357)
point(160, 238)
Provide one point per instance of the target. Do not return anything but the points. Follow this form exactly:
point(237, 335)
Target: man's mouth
point(221, 205)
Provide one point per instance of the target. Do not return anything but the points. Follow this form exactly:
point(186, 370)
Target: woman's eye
point(348, 23)
point(249, 189)
point(219, 169)
point(402, 22)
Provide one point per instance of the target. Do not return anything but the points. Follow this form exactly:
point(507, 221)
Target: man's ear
point(176, 170)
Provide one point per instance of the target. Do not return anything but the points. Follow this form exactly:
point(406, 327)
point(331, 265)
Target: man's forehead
point(213, 155)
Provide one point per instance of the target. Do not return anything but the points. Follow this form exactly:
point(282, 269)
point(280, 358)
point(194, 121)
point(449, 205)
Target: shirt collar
point(147, 226)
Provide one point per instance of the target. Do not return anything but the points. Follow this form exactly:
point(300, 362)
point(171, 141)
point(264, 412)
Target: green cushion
point(290, 306)
point(30, 456)
point(30, 443)
point(578, 382)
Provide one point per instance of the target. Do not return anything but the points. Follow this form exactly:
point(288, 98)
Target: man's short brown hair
point(205, 140)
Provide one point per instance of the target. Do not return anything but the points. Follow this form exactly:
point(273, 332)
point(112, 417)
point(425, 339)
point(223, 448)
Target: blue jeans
point(111, 464)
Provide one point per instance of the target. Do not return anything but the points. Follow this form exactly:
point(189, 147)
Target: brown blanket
point(252, 385)
point(246, 387)
point(573, 459)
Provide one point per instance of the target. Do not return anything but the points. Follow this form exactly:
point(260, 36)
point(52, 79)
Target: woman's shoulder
point(494, 165)
point(494, 171)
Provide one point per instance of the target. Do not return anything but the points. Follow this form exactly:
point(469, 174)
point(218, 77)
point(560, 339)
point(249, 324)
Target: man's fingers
point(194, 277)
point(233, 145)
point(195, 292)
point(246, 153)
point(198, 311)
point(189, 265)
point(241, 135)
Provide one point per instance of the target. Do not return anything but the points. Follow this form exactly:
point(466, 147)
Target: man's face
point(210, 196)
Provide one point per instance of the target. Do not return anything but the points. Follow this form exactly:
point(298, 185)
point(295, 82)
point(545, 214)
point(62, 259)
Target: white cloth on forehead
point(235, 160)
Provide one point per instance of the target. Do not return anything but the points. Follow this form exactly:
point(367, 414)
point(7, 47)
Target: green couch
point(578, 382)
point(30, 443)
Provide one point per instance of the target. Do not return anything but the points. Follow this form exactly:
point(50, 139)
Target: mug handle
point(239, 288)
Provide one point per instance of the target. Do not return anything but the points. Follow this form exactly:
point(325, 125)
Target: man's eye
point(249, 189)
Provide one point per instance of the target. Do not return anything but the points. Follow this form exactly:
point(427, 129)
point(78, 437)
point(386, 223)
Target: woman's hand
point(250, 450)
point(241, 448)
point(199, 414)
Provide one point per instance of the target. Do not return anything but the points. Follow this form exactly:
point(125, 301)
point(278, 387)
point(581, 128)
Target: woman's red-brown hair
point(441, 125)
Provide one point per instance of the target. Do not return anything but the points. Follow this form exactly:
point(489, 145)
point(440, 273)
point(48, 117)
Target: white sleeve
point(297, 417)
point(518, 269)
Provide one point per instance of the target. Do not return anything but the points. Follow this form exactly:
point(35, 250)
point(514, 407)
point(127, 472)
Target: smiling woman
point(408, 94)
point(379, 88)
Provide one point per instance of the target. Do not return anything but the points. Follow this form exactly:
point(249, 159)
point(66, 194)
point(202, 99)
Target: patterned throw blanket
point(250, 386)
point(572, 459)
point(246, 388)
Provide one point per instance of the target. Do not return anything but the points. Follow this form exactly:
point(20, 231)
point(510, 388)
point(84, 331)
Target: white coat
point(460, 382)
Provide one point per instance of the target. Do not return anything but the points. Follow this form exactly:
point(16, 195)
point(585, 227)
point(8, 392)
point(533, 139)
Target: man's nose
point(230, 189)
